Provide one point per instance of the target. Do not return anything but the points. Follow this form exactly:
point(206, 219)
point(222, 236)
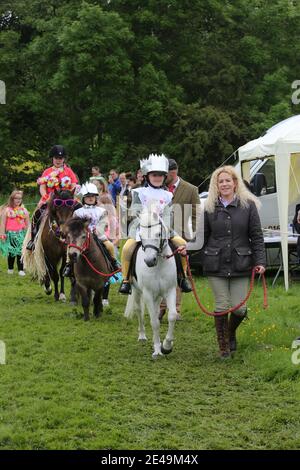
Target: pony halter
point(162, 240)
point(85, 246)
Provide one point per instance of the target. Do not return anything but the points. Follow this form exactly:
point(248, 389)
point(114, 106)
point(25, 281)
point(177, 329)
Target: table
point(275, 242)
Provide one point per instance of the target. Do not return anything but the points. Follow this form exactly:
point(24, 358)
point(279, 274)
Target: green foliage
point(69, 384)
point(114, 81)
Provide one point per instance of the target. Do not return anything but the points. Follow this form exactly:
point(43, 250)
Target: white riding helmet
point(89, 189)
point(155, 163)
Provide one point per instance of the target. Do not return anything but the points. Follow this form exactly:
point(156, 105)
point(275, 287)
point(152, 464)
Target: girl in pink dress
point(13, 225)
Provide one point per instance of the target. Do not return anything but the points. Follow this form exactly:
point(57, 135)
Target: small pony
point(156, 279)
point(88, 263)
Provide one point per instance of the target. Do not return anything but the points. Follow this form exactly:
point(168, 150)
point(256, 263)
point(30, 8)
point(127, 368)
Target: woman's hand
point(260, 269)
point(182, 250)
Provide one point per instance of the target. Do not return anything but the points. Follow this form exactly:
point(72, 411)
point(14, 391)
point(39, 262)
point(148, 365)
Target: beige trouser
point(130, 245)
point(229, 292)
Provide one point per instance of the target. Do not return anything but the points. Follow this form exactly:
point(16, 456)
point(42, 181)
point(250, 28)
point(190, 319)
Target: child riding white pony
point(156, 273)
point(154, 194)
point(156, 278)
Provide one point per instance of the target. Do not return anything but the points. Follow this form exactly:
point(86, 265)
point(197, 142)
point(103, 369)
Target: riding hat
point(57, 151)
point(154, 163)
point(89, 189)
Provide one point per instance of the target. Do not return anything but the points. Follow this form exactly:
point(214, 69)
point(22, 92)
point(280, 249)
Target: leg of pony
point(62, 295)
point(140, 313)
point(167, 345)
point(55, 279)
point(54, 276)
point(73, 296)
point(85, 301)
point(47, 284)
point(98, 307)
point(153, 309)
point(135, 304)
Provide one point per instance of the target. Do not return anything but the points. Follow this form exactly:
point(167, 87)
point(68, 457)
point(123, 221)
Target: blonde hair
point(10, 201)
point(243, 194)
point(103, 186)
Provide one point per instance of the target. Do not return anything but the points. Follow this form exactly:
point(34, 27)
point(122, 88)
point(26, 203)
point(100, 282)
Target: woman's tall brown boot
point(221, 323)
point(234, 322)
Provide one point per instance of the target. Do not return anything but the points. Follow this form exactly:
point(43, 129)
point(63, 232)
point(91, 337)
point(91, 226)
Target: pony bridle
point(85, 246)
point(54, 225)
point(162, 242)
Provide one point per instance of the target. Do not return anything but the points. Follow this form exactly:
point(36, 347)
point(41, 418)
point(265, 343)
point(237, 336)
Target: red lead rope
point(236, 307)
point(232, 309)
point(96, 270)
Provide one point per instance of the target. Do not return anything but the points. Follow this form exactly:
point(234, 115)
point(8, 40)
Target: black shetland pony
point(88, 262)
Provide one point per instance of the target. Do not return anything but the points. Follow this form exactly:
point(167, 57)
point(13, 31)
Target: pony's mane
point(77, 224)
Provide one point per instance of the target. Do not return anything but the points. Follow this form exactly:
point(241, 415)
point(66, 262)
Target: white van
point(263, 184)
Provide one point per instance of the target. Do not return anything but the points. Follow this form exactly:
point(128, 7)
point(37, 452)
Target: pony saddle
point(112, 264)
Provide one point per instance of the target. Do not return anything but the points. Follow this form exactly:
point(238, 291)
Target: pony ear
point(86, 223)
point(73, 190)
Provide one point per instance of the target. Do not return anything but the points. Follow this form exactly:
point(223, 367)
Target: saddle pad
point(104, 252)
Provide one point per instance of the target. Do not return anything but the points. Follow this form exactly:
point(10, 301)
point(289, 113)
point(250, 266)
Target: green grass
point(74, 385)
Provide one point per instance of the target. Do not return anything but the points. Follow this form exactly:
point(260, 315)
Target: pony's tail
point(34, 261)
point(134, 305)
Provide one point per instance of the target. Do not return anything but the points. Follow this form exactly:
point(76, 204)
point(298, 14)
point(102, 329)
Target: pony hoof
point(62, 297)
point(166, 351)
point(142, 339)
point(156, 356)
point(48, 290)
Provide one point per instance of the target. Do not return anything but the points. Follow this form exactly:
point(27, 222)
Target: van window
point(267, 174)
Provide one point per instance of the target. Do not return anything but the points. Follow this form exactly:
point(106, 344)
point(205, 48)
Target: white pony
point(156, 279)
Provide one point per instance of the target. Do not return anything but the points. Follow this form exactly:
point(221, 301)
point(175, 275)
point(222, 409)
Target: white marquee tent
point(281, 141)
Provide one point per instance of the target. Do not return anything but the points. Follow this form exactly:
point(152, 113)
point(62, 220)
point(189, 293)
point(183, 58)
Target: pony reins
point(84, 248)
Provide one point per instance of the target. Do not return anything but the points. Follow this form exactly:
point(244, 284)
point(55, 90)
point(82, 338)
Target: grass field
point(74, 385)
